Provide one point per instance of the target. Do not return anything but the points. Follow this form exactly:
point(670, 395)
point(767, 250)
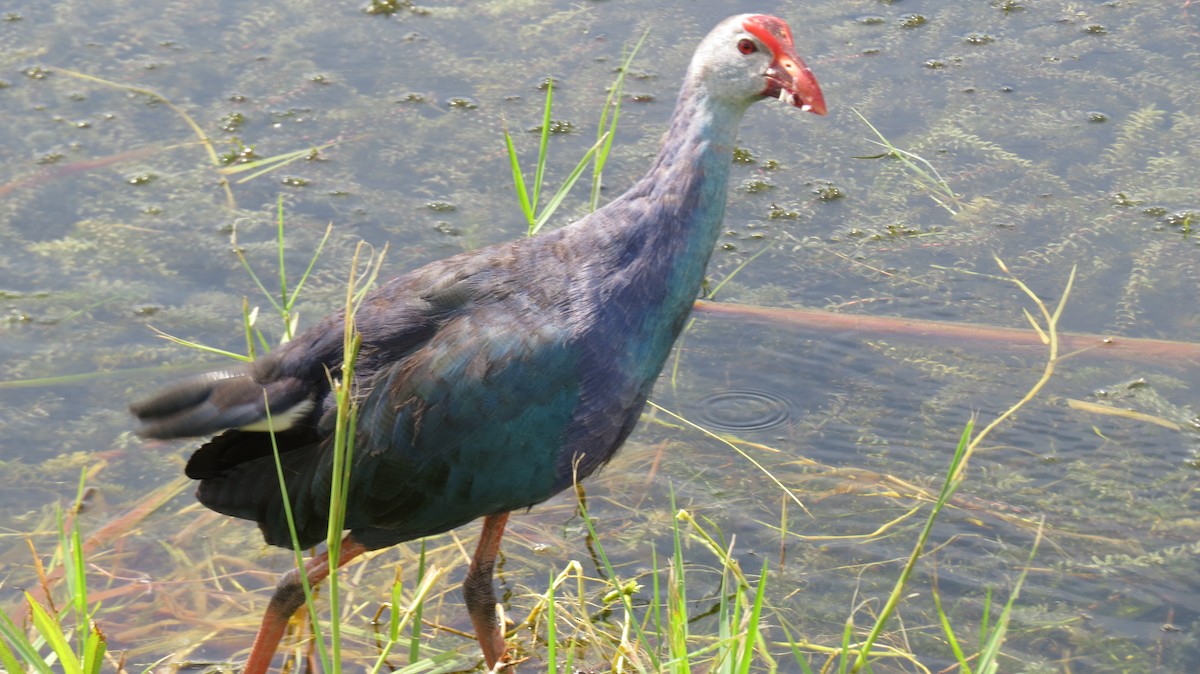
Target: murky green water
point(1067, 132)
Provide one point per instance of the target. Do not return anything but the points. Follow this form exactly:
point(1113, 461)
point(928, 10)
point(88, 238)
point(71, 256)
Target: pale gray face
point(750, 56)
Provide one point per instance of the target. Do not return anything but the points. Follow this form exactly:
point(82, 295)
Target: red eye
point(747, 46)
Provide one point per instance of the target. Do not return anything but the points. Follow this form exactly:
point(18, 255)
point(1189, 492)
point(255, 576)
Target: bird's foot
point(506, 664)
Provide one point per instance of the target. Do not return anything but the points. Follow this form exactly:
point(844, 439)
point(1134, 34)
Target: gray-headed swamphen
point(488, 381)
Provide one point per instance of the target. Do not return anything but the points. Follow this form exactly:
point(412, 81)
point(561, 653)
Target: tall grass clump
point(529, 195)
point(403, 624)
point(66, 640)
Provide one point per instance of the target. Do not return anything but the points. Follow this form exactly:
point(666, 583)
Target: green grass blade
point(561, 194)
point(266, 165)
point(309, 600)
point(442, 662)
point(51, 630)
point(752, 632)
point(656, 597)
point(727, 619)
point(241, 256)
point(249, 318)
point(367, 281)
point(394, 620)
point(614, 579)
point(677, 621)
point(19, 641)
point(963, 663)
point(609, 128)
point(847, 633)
point(929, 180)
point(801, 659)
point(414, 643)
point(283, 290)
point(601, 160)
point(395, 625)
point(76, 567)
point(312, 262)
point(949, 486)
point(200, 347)
point(200, 133)
point(551, 631)
point(400, 619)
point(542, 142)
point(77, 575)
point(262, 342)
point(345, 430)
point(93, 651)
point(984, 622)
point(989, 656)
point(342, 462)
point(519, 180)
point(7, 659)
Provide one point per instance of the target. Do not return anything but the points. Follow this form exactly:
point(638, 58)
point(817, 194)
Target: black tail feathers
point(210, 403)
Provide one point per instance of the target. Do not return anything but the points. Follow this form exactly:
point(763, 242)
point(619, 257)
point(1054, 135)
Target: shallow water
point(1067, 133)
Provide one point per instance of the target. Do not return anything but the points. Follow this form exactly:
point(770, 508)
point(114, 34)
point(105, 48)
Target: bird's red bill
point(788, 78)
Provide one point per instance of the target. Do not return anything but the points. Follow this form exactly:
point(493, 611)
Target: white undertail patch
point(281, 420)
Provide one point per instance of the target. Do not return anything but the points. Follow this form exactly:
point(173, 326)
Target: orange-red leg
point(289, 596)
point(481, 596)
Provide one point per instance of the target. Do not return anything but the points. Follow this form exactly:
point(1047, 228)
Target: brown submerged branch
point(960, 334)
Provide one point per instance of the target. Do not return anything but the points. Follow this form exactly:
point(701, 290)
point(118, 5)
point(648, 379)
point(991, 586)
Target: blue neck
point(659, 235)
point(693, 171)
